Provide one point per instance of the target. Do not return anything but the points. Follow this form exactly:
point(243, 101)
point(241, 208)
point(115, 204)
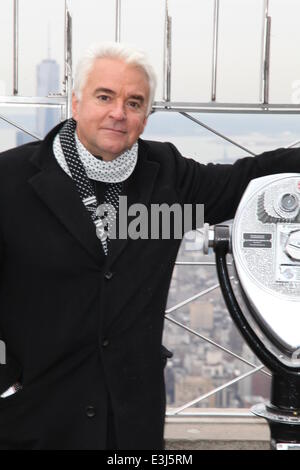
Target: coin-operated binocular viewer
point(264, 241)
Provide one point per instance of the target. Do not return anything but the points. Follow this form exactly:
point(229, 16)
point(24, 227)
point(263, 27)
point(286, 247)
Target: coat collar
point(57, 190)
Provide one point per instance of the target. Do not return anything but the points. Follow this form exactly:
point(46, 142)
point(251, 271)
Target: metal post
point(167, 55)
point(16, 47)
point(265, 64)
point(215, 50)
point(62, 113)
point(118, 21)
point(68, 60)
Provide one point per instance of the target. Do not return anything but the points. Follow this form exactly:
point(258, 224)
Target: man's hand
point(11, 390)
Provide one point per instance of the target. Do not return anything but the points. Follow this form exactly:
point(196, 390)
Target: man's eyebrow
point(104, 90)
point(137, 97)
point(140, 98)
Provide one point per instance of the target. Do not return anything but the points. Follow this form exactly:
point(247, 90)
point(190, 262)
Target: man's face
point(111, 113)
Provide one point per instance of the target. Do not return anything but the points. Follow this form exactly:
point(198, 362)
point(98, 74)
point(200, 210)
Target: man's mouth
point(118, 131)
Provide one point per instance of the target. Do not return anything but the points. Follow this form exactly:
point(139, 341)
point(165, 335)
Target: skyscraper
point(47, 82)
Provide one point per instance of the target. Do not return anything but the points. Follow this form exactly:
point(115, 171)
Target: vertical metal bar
point(68, 60)
point(167, 55)
point(62, 113)
point(265, 64)
point(16, 47)
point(118, 21)
point(262, 60)
point(215, 50)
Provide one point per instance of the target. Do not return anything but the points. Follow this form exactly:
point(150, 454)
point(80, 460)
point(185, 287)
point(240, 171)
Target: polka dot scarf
point(114, 171)
point(83, 167)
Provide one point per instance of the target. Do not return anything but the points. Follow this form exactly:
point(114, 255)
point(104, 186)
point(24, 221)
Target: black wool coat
point(80, 327)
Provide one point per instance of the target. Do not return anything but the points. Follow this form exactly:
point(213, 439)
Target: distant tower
point(47, 82)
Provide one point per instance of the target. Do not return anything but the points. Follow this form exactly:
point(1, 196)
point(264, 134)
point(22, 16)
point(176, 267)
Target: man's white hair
point(114, 50)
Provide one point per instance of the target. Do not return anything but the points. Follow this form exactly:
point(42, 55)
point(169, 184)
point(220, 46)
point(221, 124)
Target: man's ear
point(144, 123)
point(75, 102)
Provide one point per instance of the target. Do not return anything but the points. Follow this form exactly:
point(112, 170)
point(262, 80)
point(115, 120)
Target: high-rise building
point(47, 82)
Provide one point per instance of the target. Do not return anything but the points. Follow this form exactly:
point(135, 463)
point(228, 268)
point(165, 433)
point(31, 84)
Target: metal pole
point(68, 60)
point(215, 50)
point(215, 107)
point(265, 64)
point(217, 133)
point(167, 55)
point(262, 59)
point(118, 21)
point(63, 113)
point(16, 47)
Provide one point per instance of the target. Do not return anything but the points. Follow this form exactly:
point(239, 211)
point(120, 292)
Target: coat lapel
point(57, 190)
point(138, 189)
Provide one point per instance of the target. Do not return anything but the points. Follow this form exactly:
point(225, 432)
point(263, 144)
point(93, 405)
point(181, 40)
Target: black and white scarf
point(83, 167)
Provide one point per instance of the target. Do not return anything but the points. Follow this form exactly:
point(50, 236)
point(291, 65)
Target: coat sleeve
point(220, 187)
point(10, 369)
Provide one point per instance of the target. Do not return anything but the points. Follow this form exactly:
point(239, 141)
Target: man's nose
point(118, 111)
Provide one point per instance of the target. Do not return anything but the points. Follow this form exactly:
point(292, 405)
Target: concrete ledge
point(216, 445)
point(217, 432)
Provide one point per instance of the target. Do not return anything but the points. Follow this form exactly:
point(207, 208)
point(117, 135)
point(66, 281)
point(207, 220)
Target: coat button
point(90, 411)
point(105, 343)
point(108, 275)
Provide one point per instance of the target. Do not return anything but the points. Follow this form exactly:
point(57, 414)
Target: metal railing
point(216, 390)
point(63, 101)
point(263, 106)
point(60, 100)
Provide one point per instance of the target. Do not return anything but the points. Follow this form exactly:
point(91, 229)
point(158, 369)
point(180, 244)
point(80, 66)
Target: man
point(81, 313)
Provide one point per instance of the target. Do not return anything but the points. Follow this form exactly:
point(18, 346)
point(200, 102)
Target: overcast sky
point(42, 23)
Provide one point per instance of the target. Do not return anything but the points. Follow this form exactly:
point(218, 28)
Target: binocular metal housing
point(264, 300)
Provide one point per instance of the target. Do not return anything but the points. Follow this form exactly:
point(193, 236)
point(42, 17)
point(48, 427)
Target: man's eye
point(103, 98)
point(134, 104)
